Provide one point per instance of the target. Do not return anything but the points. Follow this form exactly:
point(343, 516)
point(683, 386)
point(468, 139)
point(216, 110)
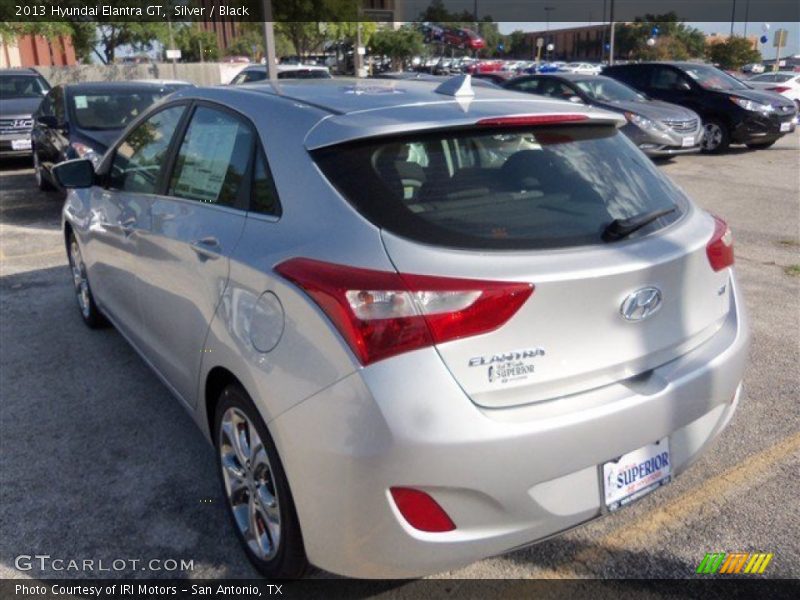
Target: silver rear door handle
point(207, 247)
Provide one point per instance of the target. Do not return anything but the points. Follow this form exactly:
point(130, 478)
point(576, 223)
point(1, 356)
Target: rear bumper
point(507, 477)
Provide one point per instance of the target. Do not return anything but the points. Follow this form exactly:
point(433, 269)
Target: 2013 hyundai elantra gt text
point(421, 325)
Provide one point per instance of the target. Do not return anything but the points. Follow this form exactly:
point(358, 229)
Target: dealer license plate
point(636, 473)
point(687, 142)
point(23, 144)
point(787, 126)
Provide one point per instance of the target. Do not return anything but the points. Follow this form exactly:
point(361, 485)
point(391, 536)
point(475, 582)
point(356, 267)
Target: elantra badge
point(641, 304)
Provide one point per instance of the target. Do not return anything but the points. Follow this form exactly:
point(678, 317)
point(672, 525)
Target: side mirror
point(683, 86)
point(48, 121)
point(575, 99)
point(77, 173)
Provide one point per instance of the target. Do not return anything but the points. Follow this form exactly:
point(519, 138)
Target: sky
point(792, 47)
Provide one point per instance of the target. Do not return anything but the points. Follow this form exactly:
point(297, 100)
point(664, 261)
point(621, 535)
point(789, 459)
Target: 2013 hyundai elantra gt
point(421, 325)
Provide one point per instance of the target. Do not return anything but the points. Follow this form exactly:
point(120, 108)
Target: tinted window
point(213, 158)
point(664, 78)
point(712, 78)
point(608, 90)
point(264, 196)
point(528, 85)
point(779, 77)
point(634, 76)
point(58, 105)
point(138, 160)
point(513, 189)
point(549, 86)
point(22, 86)
point(111, 110)
point(47, 107)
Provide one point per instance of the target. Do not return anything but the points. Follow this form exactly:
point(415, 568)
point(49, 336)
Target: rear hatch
point(524, 201)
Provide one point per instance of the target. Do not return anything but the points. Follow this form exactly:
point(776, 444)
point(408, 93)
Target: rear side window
point(213, 158)
point(503, 189)
point(264, 195)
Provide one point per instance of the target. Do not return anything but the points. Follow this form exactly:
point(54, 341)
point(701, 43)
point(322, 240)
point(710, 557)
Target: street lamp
point(547, 10)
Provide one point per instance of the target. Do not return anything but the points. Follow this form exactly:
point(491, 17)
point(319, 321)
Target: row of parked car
point(672, 107)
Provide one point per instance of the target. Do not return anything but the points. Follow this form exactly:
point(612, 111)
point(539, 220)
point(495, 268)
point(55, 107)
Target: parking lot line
point(7, 257)
point(635, 536)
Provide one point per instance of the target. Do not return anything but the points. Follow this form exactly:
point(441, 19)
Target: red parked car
point(464, 38)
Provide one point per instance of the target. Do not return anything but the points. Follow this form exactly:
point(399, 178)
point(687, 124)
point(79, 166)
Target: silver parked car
point(421, 325)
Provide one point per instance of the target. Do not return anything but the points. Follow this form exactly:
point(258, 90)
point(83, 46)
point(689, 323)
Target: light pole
point(547, 11)
point(611, 38)
point(603, 37)
point(733, 16)
point(269, 41)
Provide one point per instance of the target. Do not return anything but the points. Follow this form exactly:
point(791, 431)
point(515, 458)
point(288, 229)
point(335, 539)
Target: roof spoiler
point(459, 86)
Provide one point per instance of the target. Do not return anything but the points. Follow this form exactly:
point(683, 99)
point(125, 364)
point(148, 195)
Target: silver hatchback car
point(421, 325)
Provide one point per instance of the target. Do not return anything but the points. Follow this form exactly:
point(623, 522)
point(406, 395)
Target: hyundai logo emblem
point(641, 304)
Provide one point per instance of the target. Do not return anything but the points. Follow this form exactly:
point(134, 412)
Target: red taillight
point(720, 248)
point(421, 511)
point(381, 313)
point(779, 89)
point(523, 120)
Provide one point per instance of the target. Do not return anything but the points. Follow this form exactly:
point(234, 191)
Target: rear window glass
point(110, 110)
point(510, 189)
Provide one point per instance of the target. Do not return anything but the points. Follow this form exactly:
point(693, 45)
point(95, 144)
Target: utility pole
point(611, 39)
point(746, 16)
point(172, 47)
point(269, 42)
point(733, 16)
point(603, 37)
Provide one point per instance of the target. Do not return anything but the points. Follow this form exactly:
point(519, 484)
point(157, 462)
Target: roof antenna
point(459, 86)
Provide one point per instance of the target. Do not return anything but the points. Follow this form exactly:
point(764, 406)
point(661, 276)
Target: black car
point(81, 120)
point(21, 92)
point(733, 113)
point(658, 128)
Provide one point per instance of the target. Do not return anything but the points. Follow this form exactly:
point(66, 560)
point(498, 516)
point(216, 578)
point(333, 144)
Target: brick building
point(37, 51)
point(572, 44)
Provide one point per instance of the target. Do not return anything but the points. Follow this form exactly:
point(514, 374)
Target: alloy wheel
point(79, 278)
point(249, 484)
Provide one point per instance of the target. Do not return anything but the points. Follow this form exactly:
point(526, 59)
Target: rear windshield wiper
point(622, 228)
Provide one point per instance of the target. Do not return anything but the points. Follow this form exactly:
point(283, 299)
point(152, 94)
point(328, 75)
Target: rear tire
point(90, 314)
point(717, 137)
point(761, 145)
point(256, 490)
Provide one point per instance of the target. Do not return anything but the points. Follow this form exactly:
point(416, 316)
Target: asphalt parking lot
point(98, 460)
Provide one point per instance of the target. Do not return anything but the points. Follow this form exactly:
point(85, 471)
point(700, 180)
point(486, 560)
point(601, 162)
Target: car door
point(195, 225)
point(48, 119)
point(121, 214)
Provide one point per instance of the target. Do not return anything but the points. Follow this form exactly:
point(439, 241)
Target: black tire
point(290, 561)
point(717, 137)
point(91, 315)
point(760, 145)
point(41, 178)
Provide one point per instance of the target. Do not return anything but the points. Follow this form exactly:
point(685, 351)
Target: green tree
point(138, 35)
point(399, 45)
point(84, 38)
point(733, 53)
point(517, 44)
point(190, 38)
point(675, 40)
